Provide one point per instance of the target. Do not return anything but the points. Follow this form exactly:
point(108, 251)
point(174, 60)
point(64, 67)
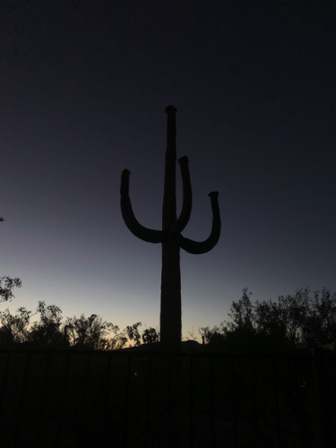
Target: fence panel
point(124, 399)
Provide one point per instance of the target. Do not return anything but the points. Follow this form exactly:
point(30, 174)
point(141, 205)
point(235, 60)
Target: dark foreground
point(139, 399)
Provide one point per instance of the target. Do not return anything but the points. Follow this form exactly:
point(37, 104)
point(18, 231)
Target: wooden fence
point(54, 398)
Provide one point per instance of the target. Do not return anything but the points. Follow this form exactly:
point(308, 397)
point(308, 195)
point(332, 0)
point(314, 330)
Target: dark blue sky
point(84, 85)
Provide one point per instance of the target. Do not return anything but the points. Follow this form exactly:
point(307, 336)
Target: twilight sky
point(84, 85)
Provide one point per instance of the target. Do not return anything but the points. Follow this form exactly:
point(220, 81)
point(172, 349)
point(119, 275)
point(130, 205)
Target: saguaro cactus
point(170, 236)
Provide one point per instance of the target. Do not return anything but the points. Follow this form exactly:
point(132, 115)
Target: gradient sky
point(84, 85)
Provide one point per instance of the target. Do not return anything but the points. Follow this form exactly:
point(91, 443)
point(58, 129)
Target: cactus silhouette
point(170, 236)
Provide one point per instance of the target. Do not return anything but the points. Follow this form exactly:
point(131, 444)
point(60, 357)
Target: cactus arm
point(145, 234)
point(184, 217)
point(195, 247)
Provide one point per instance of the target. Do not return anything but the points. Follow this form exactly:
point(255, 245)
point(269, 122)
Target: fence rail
point(57, 398)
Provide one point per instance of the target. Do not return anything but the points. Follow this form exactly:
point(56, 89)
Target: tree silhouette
point(298, 321)
point(170, 236)
point(48, 330)
point(133, 333)
point(7, 284)
point(14, 328)
point(150, 336)
point(88, 332)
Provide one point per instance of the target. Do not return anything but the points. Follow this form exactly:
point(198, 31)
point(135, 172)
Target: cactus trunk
point(171, 312)
point(170, 315)
point(170, 236)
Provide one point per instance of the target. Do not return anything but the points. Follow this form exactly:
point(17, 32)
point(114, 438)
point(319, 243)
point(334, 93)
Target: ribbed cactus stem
point(169, 194)
point(170, 236)
point(170, 315)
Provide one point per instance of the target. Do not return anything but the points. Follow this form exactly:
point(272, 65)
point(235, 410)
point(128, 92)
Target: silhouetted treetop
point(7, 284)
point(302, 320)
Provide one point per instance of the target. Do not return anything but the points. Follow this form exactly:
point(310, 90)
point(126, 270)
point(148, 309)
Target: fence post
point(322, 392)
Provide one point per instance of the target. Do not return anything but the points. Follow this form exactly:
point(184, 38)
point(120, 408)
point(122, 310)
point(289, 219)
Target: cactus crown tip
point(213, 194)
point(183, 159)
point(170, 108)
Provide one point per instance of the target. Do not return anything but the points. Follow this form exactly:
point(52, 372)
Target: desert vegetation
point(255, 380)
point(300, 322)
